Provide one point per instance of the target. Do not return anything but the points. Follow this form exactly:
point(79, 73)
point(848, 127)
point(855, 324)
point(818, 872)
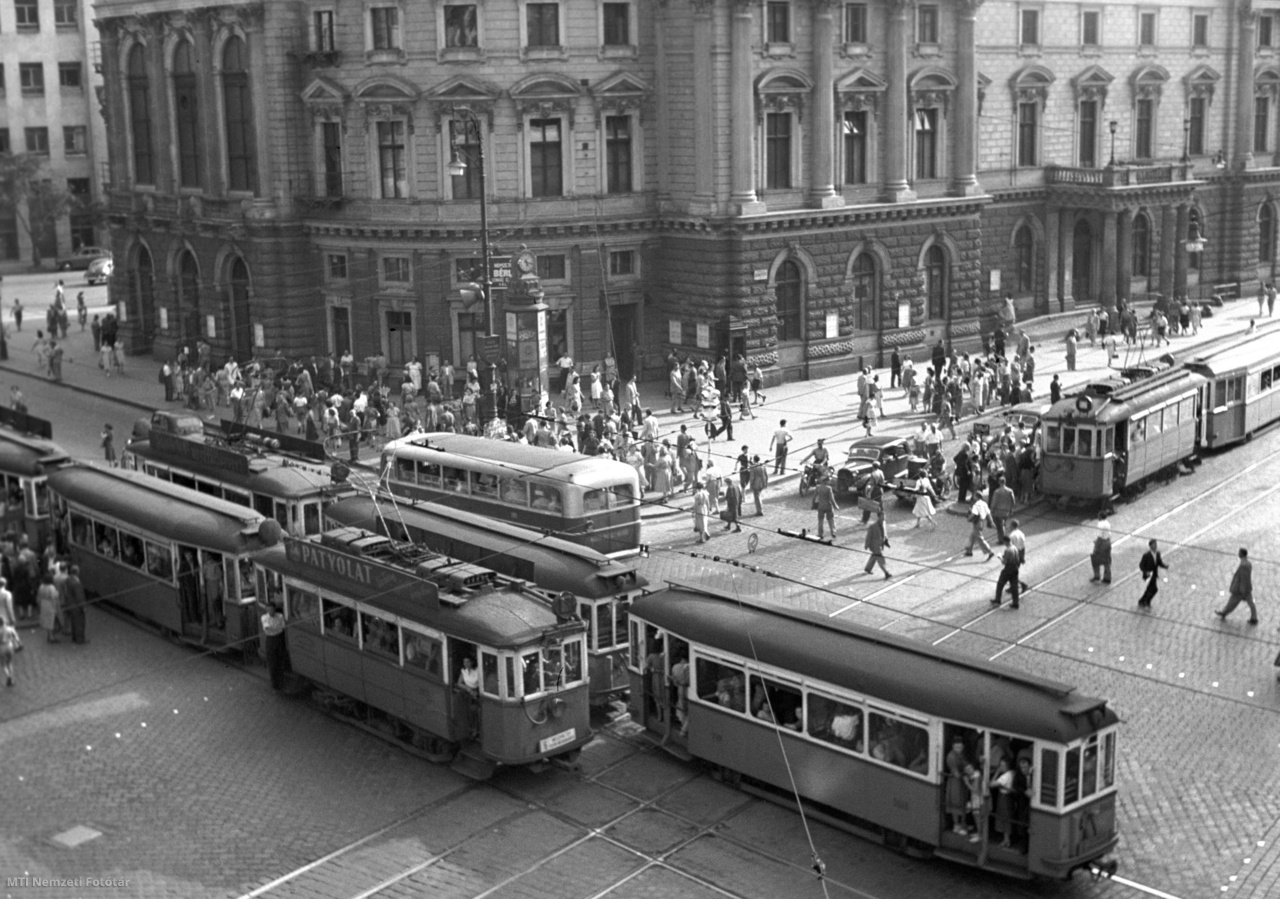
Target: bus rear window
point(595, 501)
point(404, 470)
point(623, 495)
point(547, 499)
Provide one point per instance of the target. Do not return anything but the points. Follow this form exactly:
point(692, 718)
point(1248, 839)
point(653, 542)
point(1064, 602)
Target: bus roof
point(553, 464)
point(552, 563)
point(150, 504)
point(28, 456)
point(899, 670)
point(1243, 355)
point(1125, 401)
point(267, 473)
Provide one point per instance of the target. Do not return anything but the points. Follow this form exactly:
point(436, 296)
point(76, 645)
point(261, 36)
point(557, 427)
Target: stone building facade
point(809, 182)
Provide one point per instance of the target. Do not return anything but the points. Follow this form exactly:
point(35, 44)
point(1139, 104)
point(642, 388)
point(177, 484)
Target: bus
point(592, 500)
point(25, 463)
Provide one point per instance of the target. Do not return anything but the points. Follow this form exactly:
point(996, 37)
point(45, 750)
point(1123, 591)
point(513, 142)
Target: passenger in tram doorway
point(655, 664)
point(274, 644)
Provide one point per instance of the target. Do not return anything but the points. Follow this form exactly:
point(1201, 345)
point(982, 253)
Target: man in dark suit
point(1151, 564)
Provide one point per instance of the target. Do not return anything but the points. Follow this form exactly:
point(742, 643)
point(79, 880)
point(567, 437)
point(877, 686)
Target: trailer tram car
point(25, 462)
point(384, 633)
point(592, 500)
point(170, 556)
point(1243, 394)
point(1109, 439)
point(604, 586)
point(866, 720)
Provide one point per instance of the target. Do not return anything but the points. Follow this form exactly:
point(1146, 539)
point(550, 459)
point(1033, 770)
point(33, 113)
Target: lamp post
point(1186, 141)
point(457, 168)
point(1113, 125)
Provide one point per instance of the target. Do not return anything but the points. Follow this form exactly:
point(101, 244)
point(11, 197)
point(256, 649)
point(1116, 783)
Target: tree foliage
point(32, 198)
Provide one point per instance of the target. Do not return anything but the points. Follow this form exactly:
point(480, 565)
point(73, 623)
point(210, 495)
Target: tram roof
point(899, 670)
point(558, 563)
point(501, 618)
point(540, 460)
point(1245, 354)
point(270, 474)
point(178, 513)
point(1126, 401)
point(28, 456)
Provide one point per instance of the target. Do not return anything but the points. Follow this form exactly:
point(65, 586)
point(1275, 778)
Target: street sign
point(491, 349)
point(501, 271)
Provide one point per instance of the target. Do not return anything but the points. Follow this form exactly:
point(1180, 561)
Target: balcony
point(1114, 176)
point(321, 190)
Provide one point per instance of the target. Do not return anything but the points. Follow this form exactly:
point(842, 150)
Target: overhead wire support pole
point(458, 167)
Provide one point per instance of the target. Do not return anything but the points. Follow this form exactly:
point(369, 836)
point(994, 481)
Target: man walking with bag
point(876, 541)
point(1241, 590)
point(1150, 566)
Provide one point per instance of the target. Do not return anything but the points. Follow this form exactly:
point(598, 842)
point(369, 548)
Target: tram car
point(603, 586)
point(25, 462)
point(1243, 394)
point(384, 635)
point(861, 726)
point(1109, 439)
point(171, 556)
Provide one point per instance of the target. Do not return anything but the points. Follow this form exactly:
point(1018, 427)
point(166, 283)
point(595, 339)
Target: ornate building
point(809, 181)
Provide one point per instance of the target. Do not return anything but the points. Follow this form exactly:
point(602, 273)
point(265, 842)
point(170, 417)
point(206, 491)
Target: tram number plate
point(561, 739)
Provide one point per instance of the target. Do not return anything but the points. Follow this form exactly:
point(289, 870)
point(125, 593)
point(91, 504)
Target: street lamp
point(457, 168)
point(1186, 141)
point(1113, 124)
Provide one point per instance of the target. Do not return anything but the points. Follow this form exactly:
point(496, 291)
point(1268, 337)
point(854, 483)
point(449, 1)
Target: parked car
point(179, 424)
point(82, 258)
point(890, 453)
point(100, 270)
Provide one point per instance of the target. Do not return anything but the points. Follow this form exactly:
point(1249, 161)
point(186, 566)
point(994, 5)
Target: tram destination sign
point(365, 576)
point(200, 453)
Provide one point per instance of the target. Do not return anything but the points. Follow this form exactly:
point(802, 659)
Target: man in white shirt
point(979, 517)
point(1018, 540)
point(781, 438)
point(414, 369)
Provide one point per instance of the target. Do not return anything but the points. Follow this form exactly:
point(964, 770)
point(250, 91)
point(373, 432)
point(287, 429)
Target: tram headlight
point(556, 708)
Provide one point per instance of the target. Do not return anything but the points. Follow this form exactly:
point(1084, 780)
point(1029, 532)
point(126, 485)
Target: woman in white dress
point(924, 502)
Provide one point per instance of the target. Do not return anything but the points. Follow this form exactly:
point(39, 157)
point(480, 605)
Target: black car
point(890, 453)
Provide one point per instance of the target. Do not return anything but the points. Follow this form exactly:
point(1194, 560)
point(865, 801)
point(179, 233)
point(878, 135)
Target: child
point(757, 381)
point(109, 444)
point(913, 395)
point(8, 646)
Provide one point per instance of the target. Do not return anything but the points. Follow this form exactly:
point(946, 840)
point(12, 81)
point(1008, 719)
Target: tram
point(856, 724)
point(25, 463)
point(592, 500)
point(384, 635)
point(1243, 394)
point(171, 556)
point(604, 586)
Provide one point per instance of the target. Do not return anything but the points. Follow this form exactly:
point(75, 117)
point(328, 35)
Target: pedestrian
point(74, 604)
point(675, 387)
point(17, 313)
point(55, 360)
point(895, 369)
point(979, 517)
point(9, 644)
point(1055, 390)
point(277, 652)
point(95, 328)
point(726, 420)
point(108, 444)
point(1271, 298)
point(701, 509)
point(1262, 298)
point(1010, 565)
point(1100, 558)
point(870, 419)
point(824, 500)
point(923, 508)
point(104, 358)
point(733, 497)
point(7, 611)
point(876, 541)
point(82, 311)
point(1019, 541)
point(1150, 567)
point(50, 608)
point(779, 443)
point(757, 384)
point(759, 481)
point(1071, 350)
point(166, 379)
point(946, 417)
point(1003, 504)
point(1241, 590)
point(873, 493)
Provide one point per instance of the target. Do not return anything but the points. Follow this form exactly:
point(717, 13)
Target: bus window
point(263, 505)
point(209, 488)
point(183, 480)
point(594, 501)
point(1084, 442)
point(488, 673)
point(513, 492)
point(547, 499)
point(404, 470)
point(834, 722)
point(379, 636)
point(131, 550)
point(81, 530)
point(1049, 777)
point(719, 684)
point(1071, 791)
point(1266, 379)
point(302, 606)
point(311, 518)
point(421, 652)
point(622, 495)
point(159, 561)
point(1068, 441)
point(455, 480)
point(1052, 439)
point(428, 474)
point(1109, 760)
point(483, 484)
point(106, 540)
point(898, 743)
point(339, 620)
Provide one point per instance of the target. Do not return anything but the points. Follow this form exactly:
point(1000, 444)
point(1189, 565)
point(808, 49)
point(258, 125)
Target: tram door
point(656, 706)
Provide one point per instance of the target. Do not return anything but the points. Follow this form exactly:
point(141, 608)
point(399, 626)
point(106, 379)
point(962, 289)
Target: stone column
point(704, 155)
point(1180, 249)
point(964, 179)
point(1242, 156)
point(896, 112)
point(661, 90)
point(114, 76)
point(164, 144)
point(213, 178)
point(255, 42)
point(1168, 248)
point(1108, 269)
point(1053, 262)
point(742, 106)
point(822, 192)
point(1124, 264)
point(1066, 259)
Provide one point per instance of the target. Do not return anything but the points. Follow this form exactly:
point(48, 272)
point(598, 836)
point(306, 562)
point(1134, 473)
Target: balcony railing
point(1119, 175)
point(322, 189)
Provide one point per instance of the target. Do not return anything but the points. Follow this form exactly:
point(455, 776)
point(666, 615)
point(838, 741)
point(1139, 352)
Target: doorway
point(622, 322)
point(241, 326)
point(144, 293)
point(1082, 263)
point(340, 317)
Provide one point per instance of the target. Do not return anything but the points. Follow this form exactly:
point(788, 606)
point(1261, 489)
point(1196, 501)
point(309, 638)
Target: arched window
point(238, 311)
point(139, 88)
point(1141, 246)
point(935, 281)
point(237, 105)
point(186, 116)
point(189, 296)
point(1266, 233)
point(1024, 250)
point(866, 292)
point(788, 289)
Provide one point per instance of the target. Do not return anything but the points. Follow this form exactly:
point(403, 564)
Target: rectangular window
point(75, 140)
point(1049, 777)
point(777, 18)
point(461, 26)
point(1147, 29)
point(421, 652)
point(776, 702)
point(622, 263)
point(855, 23)
point(1261, 116)
point(1195, 134)
point(384, 24)
point(1264, 31)
point(380, 637)
point(926, 143)
point(617, 129)
point(617, 24)
point(1028, 129)
point(1143, 129)
point(399, 337)
point(927, 25)
point(339, 620)
point(31, 77)
point(66, 13)
point(37, 141)
point(1030, 28)
point(855, 147)
point(1088, 133)
point(337, 266)
point(542, 21)
point(392, 164)
point(69, 76)
point(331, 148)
point(1200, 30)
point(1090, 27)
point(835, 721)
point(27, 14)
point(551, 267)
point(546, 166)
point(395, 270)
point(777, 151)
point(323, 24)
point(8, 229)
point(719, 684)
point(899, 743)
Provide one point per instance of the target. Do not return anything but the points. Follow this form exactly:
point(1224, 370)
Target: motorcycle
point(812, 475)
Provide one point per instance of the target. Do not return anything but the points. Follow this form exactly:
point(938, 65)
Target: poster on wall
point(164, 319)
point(995, 280)
point(904, 312)
point(259, 335)
point(674, 331)
point(833, 325)
point(704, 336)
point(210, 327)
point(512, 327)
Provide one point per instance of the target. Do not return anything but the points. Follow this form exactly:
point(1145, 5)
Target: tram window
point(106, 540)
point(183, 480)
point(572, 662)
point(623, 495)
point(339, 620)
point(1109, 441)
point(209, 488)
point(421, 652)
point(835, 722)
point(509, 674)
point(547, 499)
point(1068, 441)
point(1155, 423)
point(404, 470)
point(131, 550)
point(1071, 791)
point(245, 566)
point(1137, 431)
point(42, 499)
point(635, 650)
point(264, 506)
point(1089, 772)
point(720, 684)
point(1109, 760)
point(428, 474)
point(237, 497)
point(774, 702)
point(159, 561)
point(1052, 439)
point(530, 673)
point(898, 743)
point(595, 501)
point(311, 518)
point(1084, 442)
point(489, 673)
point(379, 636)
point(513, 491)
point(606, 636)
point(280, 512)
point(455, 480)
point(622, 613)
point(1187, 409)
point(483, 484)
point(1171, 417)
point(81, 530)
point(1049, 777)
point(302, 606)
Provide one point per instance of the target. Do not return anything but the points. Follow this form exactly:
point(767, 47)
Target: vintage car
point(81, 258)
point(1027, 415)
point(891, 453)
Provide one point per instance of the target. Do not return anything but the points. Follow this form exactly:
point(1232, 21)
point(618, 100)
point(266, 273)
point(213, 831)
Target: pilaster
point(822, 192)
point(896, 188)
